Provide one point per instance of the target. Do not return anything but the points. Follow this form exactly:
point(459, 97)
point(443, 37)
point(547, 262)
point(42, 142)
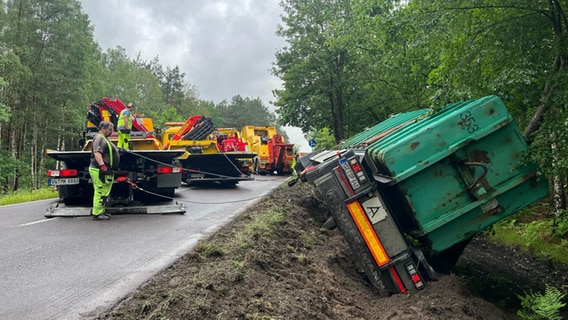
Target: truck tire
point(76, 194)
point(255, 166)
point(329, 224)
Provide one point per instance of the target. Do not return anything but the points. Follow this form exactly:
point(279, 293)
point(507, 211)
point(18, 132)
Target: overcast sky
point(225, 47)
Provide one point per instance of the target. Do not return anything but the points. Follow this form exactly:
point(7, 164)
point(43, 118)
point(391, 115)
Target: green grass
point(27, 196)
point(532, 234)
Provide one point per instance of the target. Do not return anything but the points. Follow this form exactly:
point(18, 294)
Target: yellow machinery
point(273, 154)
point(212, 155)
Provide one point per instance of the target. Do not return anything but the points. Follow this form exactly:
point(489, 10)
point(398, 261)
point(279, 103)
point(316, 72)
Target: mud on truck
point(410, 193)
point(145, 180)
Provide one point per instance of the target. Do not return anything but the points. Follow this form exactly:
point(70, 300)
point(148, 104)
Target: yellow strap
point(110, 151)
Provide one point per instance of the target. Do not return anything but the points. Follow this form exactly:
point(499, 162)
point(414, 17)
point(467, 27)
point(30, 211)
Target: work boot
point(101, 216)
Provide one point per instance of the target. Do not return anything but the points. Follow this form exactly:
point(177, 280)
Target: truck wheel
point(329, 224)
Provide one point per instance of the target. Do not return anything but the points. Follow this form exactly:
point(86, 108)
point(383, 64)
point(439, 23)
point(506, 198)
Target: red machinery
point(108, 109)
point(281, 154)
point(231, 141)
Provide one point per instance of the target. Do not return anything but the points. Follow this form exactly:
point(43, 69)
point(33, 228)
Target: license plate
point(63, 181)
point(374, 210)
point(197, 175)
point(349, 173)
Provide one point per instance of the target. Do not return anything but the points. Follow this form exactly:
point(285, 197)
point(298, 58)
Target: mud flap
point(58, 209)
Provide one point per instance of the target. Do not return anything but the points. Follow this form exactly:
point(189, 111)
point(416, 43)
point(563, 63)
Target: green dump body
point(367, 137)
point(449, 175)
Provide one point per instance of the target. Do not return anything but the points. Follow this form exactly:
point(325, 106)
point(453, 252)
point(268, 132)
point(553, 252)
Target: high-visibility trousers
point(102, 189)
point(123, 140)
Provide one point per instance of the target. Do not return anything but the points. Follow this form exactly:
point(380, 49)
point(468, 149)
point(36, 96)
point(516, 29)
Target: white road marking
point(36, 222)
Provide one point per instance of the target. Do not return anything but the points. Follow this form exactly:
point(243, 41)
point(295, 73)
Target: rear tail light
point(62, 173)
point(415, 276)
point(356, 166)
point(169, 170)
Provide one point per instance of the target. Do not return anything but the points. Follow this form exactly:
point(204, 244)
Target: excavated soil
point(275, 262)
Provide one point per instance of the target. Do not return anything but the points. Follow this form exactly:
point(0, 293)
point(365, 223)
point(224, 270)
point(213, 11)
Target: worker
point(104, 157)
point(294, 161)
point(124, 126)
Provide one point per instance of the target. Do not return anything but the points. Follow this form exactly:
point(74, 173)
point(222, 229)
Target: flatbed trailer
point(144, 178)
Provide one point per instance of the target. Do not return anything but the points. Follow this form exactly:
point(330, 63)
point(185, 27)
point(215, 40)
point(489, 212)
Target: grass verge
point(21, 196)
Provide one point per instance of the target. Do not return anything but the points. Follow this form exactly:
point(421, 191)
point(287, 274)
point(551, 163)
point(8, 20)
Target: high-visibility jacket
point(121, 125)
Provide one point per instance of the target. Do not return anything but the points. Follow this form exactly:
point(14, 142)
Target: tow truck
point(145, 180)
point(213, 154)
point(274, 155)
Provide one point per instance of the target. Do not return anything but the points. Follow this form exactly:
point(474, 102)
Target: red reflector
point(397, 280)
point(62, 173)
point(121, 179)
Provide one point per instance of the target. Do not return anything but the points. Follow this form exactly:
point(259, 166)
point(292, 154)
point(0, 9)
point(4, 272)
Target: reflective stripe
point(110, 151)
point(120, 124)
point(369, 235)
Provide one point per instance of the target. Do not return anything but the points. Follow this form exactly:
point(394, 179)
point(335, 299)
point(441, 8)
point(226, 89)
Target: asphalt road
point(74, 268)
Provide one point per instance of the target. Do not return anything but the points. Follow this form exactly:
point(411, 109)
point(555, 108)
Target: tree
point(324, 139)
point(244, 111)
point(314, 68)
point(173, 86)
point(515, 50)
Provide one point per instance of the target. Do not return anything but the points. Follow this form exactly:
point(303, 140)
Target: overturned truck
point(410, 193)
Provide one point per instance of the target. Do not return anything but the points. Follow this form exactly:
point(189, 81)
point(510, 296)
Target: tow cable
point(186, 169)
point(134, 186)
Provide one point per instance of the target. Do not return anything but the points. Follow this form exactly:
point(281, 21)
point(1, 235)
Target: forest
point(347, 65)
